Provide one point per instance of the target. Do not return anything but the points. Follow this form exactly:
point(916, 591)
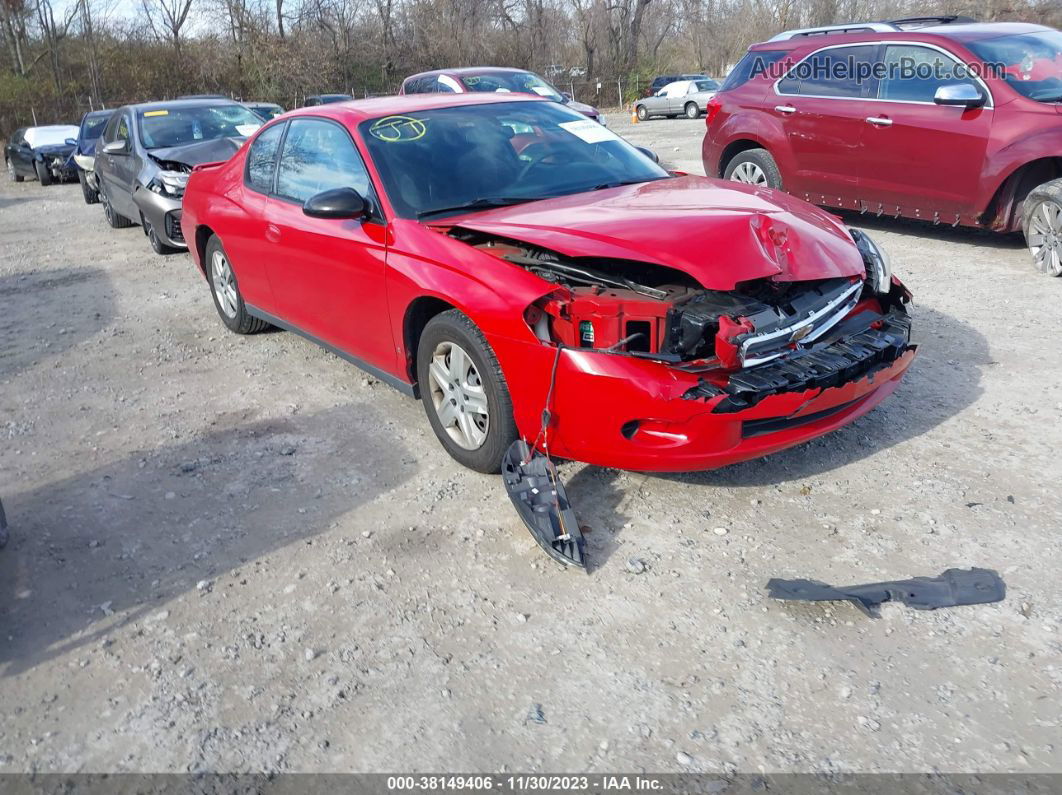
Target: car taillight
point(711, 110)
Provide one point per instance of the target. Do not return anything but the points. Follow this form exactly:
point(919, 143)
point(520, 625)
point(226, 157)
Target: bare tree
point(167, 19)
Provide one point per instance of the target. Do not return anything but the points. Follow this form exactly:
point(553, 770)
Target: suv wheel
point(15, 176)
point(643, 114)
point(156, 242)
point(1042, 224)
point(464, 392)
point(228, 299)
point(115, 220)
point(754, 167)
point(692, 110)
point(91, 195)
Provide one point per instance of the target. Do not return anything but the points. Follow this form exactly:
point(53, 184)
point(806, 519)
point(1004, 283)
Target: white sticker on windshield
point(589, 130)
point(542, 91)
point(246, 129)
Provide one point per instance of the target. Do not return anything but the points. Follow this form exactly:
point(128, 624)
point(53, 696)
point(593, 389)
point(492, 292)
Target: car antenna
point(531, 480)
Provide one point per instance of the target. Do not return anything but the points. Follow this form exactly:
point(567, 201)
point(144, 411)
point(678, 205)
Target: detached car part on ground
point(41, 153)
point(533, 276)
point(147, 152)
point(971, 137)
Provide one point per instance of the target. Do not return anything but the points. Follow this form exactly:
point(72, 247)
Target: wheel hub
point(224, 284)
point(458, 396)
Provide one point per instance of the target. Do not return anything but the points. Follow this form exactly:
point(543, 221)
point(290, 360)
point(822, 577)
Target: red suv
point(941, 119)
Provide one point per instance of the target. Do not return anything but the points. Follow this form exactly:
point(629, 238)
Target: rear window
point(753, 64)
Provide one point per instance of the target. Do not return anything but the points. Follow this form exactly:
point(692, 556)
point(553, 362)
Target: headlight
point(876, 261)
point(169, 183)
point(86, 162)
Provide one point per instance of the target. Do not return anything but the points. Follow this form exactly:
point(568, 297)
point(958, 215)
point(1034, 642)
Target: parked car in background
point(326, 99)
point(265, 110)
point(662, 80)
point(687, 98)
point(42, 153)
point(147, 152)
point(499, 254)
point(492, 79)
point(92, 124)
point(940, 141)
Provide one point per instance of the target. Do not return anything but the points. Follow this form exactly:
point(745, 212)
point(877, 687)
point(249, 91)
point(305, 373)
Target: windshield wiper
point(621, 183)
point(478, 204)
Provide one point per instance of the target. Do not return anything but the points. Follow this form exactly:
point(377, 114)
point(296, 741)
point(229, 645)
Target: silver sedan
point(681, 98)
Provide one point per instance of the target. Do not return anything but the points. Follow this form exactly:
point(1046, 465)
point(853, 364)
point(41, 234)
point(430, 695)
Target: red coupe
point(528, 273)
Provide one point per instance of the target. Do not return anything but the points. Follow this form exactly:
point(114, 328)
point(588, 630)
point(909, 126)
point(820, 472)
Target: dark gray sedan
point(147, 152)
point(681, 98)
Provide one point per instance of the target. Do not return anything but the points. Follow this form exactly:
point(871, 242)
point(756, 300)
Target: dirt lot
point(242, 554)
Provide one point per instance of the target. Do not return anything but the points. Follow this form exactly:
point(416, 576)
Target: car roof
point(470, 70)
point(172, 104)
point(960, 32)
point(50, 127)
point(357, 110)
point(93, 114)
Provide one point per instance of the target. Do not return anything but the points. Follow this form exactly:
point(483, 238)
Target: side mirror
point(337, 203)
point(567, 96)
point(71, 142)
point(115, 148)
point(648, 153)
point(962, 94)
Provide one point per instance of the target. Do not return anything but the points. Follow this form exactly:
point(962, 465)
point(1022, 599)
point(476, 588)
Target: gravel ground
point(241, 554)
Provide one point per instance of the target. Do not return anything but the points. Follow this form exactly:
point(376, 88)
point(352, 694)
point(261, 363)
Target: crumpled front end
point(658, 373)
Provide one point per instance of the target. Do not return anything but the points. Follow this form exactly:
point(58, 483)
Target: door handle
point(787, 109)
point(879, 121)
point(272, 233)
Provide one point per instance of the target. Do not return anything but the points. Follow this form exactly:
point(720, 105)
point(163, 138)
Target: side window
point(913, 73)
point(122, 132)
point(836, 72)
point(111, 128)
point(262, 158)
point(318, 156)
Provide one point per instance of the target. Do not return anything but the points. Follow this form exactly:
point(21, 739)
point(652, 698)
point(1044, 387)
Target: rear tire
point(91, 195)
point(1042, 225)
point(643, 114)
point(754, 167)
point(44, 176)
point(480, 380)
point(225, 290)
point(693, 111)
point(115, 220)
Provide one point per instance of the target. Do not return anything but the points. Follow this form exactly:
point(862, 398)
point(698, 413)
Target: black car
point(92, 124)
point(267, 110)
point(326, 99)
point(42, 152)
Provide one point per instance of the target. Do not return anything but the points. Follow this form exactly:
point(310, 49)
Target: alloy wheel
point(458, 396)
point(1045, 237)
point(749, 173)
point(224, 284)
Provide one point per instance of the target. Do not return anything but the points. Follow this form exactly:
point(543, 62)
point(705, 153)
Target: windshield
point(512, 82)
point(707, 85)
point(50, 136)
point(453, 159)
point(165, 127)
point(92, 127)
point(1032, 62)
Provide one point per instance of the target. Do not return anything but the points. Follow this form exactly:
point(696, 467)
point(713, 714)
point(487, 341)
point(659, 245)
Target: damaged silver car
point(147, 152)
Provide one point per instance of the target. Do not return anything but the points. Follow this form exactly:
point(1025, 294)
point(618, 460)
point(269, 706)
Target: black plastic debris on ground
point(538, 496)
point(952, 588)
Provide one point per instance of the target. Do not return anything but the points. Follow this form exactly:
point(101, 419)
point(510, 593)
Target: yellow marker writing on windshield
point(398, 128)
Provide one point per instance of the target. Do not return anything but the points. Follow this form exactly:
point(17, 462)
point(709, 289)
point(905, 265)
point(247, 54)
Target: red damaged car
point(501, 255)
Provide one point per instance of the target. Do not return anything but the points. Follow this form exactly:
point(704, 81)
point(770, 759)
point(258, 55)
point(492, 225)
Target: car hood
point(213, 151)
point(54, 149)
point(720, 233)
point(583, 108)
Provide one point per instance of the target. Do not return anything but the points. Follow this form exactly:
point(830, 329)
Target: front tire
point(754, 167)
point(1042, 225)
point(156, 242)
point(92, 196)
point(114, 220)
point(693, 111)
point(464, 392)
point(11, 172)
point(44, 176)
point(224, 288)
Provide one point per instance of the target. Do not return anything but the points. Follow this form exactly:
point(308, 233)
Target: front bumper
point(628, 413)
point(163, 213)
